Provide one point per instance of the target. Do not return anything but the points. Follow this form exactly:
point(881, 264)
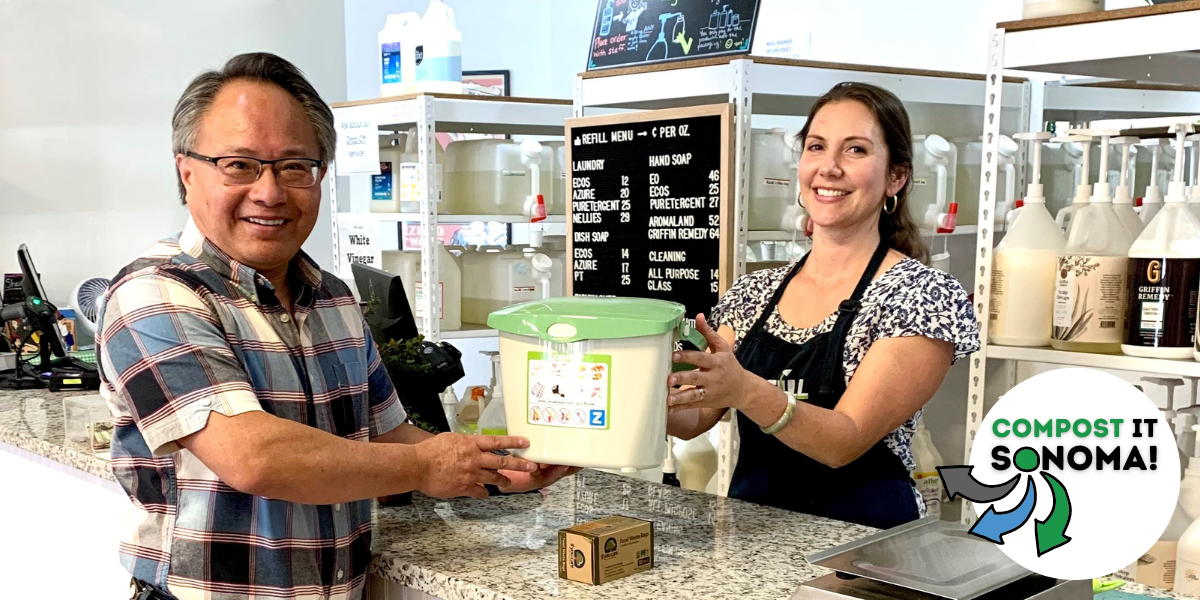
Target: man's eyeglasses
point(243, 170)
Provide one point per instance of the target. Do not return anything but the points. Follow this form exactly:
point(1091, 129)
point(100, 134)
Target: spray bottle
point(1123, 199)
point(493, 421)
point(1024, 265)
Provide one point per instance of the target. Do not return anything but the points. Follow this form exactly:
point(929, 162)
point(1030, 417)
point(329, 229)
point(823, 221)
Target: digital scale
point(930, 559)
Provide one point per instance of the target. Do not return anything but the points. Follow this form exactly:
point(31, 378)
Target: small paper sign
point(358, 242)
point(357, 143)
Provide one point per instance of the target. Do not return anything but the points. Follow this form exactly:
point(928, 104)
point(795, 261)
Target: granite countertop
point(32, 420)
point(507, 547)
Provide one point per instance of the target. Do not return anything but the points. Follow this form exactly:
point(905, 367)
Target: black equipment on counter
point(390, 318)
point(41, 317)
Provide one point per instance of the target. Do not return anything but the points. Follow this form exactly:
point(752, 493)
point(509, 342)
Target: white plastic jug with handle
point(439, 58)
point(397, 54)
point(1024, 264)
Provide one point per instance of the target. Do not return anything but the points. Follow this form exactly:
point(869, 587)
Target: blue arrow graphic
point(994, 525)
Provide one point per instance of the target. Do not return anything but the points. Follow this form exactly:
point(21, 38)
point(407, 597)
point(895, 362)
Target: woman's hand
point(545, 476)
point(719, 380)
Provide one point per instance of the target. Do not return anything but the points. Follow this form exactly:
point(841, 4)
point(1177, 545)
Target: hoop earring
point(895, 200)
point(800, 200)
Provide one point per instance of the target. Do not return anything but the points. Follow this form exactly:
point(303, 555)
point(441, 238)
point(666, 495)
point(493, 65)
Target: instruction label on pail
point(569, 390)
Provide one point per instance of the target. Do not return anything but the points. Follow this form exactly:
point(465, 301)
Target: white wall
point(86, 94)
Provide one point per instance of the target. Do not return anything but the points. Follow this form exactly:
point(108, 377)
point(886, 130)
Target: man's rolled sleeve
point(385, 409)
point(167, 361)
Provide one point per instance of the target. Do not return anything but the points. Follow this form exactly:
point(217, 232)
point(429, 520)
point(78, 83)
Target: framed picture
point(481, 83)
point(487, 83)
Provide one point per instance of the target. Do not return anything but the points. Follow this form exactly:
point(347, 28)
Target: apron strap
point(770, 307)
point(847, 310)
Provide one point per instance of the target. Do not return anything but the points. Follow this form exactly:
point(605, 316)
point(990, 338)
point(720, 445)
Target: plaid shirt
point(185, 331)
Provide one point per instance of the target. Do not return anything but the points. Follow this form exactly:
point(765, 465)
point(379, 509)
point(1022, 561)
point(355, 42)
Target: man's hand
point(455, 465)
point(544, 476)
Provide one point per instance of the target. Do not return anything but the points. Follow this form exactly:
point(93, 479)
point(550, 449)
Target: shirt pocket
point(349, 405)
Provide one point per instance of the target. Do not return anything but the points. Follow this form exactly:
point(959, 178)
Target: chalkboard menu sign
point(634, 32)
point(651, 210)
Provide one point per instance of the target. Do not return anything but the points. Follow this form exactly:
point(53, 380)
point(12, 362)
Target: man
point(254, 419)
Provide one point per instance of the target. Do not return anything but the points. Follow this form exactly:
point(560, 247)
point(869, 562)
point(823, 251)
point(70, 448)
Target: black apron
point(874, 489)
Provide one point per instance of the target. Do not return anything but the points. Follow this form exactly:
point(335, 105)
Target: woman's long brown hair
point(898, 229)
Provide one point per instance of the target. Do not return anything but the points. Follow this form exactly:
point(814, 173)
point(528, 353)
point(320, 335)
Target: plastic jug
point(1165, 272)
point(1024, 266)
point(970, 169)
point(385, 187)
point(772, 178)
point(585, 377)
point(935, 169)
point(1089, 300)
point(397, 54)
point(696, 460)
point(487, 177)
point(494, 279)
point(408, 266)
point(439, 60)
point(554, 177)
point(926, 476)
point(399, 189)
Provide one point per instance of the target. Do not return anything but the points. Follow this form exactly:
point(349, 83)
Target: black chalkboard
point(636, 32)
point(650, 213)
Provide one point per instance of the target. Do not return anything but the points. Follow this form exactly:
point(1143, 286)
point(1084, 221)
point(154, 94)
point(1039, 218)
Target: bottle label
point(929, 485)
point(410, 180)
point(381, 184)
point(419, 296)
point(1162, 302)
point(440, 68)
point(390, 57)
point(1089, 299)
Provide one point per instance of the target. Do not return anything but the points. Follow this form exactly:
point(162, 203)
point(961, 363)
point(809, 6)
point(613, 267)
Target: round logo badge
point(610, 545)
point(1074, 473)
point(579, 559)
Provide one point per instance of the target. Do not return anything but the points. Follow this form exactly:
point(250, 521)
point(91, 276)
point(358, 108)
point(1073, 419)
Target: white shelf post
point(742, 98)
point(983, 260)
point(427, 190)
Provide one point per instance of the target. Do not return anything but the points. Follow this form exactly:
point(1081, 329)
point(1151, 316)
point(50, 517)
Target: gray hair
point(254, 66)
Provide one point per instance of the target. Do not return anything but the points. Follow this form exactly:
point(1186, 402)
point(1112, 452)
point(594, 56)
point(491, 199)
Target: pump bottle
point(1164, 275)
point(1123, 198)
point(1024, 266)
point(1093, 271)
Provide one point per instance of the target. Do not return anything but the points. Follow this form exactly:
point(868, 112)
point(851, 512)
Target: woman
point(859, 325)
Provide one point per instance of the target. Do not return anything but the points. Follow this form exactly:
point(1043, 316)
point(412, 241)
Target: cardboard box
point(601, 551)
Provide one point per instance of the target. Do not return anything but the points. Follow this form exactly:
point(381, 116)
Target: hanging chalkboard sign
point(636, 32)
point(651, 210)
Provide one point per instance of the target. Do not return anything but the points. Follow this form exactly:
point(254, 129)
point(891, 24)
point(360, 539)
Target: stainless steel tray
point(931, 556)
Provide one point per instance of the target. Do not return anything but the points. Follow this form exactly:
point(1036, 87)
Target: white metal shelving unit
point(449, 113)
point(766, 86)
point(1147, 54)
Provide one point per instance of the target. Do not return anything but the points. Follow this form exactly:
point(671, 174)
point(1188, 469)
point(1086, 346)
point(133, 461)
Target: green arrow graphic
point(1051, 533)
